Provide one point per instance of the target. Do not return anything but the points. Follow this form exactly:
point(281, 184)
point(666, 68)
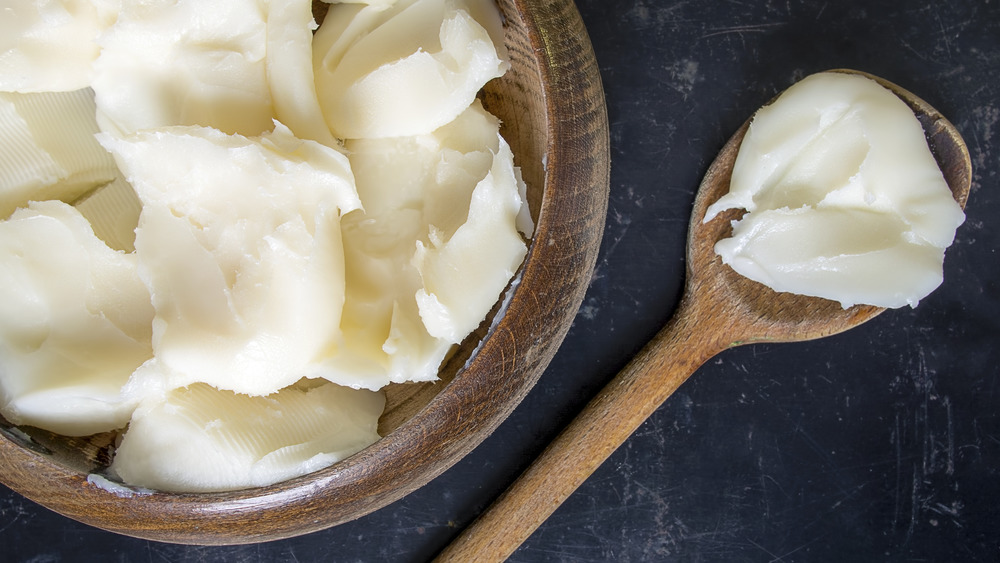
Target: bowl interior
point(553, 116)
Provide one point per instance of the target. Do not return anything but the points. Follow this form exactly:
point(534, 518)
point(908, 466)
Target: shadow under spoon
point(720, 309)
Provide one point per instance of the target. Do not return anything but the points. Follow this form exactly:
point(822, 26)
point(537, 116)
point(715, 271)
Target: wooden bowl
point(552, 106)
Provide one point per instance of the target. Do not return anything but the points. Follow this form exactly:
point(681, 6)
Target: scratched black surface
point(881, 444)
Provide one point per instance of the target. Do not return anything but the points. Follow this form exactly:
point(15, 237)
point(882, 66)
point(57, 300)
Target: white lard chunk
point(48, 150)
point(437, 48)
point(241, 250)
point(845, 200)
point(463, 272)
point(225, 330)
point(290, 71)
point(75, 321)
point(199, 438)
point(185, 62)
point(422, 194)
point(50, 46)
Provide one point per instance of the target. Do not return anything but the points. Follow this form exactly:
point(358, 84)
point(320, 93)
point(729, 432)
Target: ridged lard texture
point(74, 323)
point(437, 48)
point(425, 197)
point(241, 251)
point(845, 200)
point(199, 438)
point(48, 150)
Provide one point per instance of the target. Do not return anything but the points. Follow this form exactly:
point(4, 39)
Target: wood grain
point(553, 115)
point(720, 309)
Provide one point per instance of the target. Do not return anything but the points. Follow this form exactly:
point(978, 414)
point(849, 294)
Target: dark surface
point(881, 444)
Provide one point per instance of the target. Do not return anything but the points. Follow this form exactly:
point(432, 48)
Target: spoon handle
point(682, 346)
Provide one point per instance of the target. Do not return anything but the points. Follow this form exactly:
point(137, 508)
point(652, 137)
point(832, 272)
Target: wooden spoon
point(720, 309)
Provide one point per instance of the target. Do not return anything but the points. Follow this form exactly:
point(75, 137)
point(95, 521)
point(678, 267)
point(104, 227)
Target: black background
point(880, 444)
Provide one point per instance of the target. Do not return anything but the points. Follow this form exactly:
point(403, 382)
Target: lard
point(199, 438)
point(48, 150)
point(443, 51)
point(75, 321)
point(241, 251)
point(252, 266)
point(50, 46)
point(187, 62)
point(844, 199)
point(436, 244)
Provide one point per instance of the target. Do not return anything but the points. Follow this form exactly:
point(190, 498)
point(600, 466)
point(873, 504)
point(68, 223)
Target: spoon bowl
point(720, 309)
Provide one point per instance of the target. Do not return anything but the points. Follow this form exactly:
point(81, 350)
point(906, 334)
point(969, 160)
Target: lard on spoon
point(844, 199)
